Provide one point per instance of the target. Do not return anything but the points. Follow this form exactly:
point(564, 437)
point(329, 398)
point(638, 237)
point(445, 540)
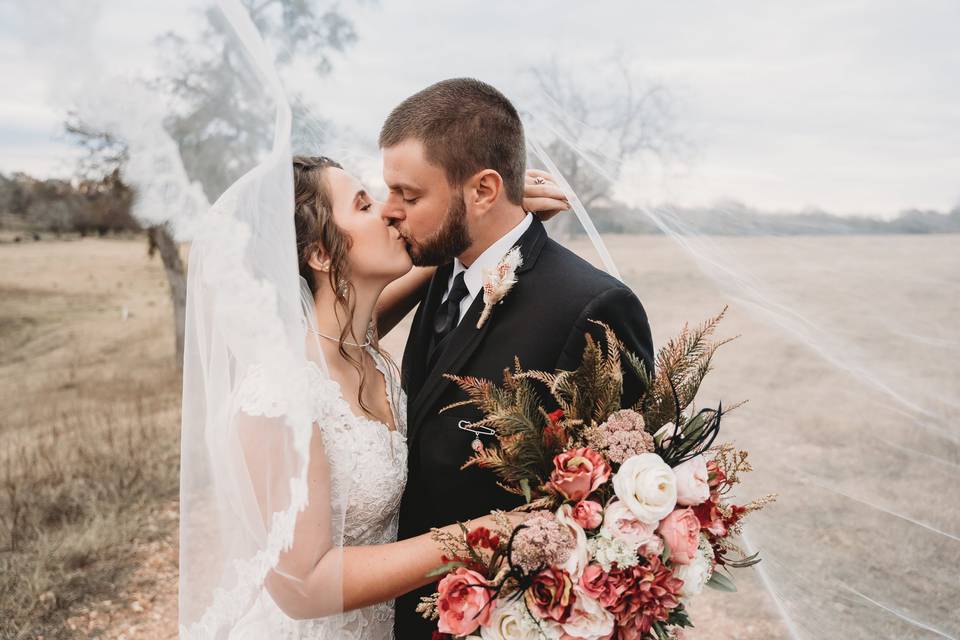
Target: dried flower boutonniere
point(498, 282)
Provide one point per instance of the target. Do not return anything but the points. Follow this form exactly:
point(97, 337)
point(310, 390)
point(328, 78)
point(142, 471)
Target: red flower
point(551, 594)
point(554, 435)
point(648, 592)
point(710, 518)
point(481, 537)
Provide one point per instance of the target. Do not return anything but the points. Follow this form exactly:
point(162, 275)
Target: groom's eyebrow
point(402, 186)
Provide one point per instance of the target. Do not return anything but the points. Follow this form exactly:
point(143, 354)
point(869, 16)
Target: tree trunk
point(162, 240)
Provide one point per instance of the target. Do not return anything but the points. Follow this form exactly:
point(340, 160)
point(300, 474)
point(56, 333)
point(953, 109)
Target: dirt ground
point(97, 309)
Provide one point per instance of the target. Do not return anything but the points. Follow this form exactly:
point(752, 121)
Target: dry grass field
point(89, 434)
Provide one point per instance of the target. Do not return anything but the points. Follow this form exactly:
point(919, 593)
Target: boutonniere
point(498, 281)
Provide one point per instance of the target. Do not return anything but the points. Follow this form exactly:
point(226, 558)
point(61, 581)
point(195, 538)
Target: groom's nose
point(392, 209)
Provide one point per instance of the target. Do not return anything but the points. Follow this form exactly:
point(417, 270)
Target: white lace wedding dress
point(377, 482)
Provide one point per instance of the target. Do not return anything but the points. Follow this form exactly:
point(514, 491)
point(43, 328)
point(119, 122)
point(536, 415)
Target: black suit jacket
point(542, 321)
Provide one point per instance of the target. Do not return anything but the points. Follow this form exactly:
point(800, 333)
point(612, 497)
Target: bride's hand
point(542, 196)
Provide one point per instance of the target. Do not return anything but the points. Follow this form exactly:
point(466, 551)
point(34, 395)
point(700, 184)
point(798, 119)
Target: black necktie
point(448, 315)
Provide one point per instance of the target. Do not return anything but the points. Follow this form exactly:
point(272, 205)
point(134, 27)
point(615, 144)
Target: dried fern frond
point(681, 365)
point(428, 607)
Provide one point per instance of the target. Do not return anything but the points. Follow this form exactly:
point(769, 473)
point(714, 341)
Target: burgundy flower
point(648, 592)
point(596, 583)
point(551, 595)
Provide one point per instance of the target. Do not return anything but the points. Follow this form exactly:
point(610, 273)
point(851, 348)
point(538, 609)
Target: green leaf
point(721, 582)
point(665, 554)
point(525, 487)
point(742, 563)
point(445, 568)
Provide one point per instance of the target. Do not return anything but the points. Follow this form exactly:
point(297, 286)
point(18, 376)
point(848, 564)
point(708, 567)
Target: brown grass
point(90, 431)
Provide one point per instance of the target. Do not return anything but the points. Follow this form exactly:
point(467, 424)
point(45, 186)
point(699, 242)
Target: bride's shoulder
point(270, 393)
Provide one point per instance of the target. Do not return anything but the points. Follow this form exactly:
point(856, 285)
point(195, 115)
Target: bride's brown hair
point(316, 230)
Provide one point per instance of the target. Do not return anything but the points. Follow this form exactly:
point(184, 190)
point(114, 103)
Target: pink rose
point(588, 514)
point(693, 486)
point(681, 532)
point(578, 472)
point(463, 603)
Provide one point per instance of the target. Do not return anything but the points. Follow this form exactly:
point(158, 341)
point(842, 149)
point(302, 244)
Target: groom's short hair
point(465, 126)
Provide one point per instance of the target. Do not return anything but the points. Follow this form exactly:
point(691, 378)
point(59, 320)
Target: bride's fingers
point(545, 190)
point(545, 205)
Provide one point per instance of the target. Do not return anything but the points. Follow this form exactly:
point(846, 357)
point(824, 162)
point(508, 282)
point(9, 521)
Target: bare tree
point(607, 121)
point(219, 124)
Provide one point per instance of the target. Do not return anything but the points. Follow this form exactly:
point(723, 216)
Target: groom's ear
point(483, 190)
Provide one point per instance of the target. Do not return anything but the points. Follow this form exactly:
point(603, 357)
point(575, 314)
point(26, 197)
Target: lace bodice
point(374, 482)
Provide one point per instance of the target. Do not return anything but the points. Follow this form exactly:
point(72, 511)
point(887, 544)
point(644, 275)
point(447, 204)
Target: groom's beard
point(450, 240)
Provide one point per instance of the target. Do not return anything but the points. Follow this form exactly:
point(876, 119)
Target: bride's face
point(377, 252)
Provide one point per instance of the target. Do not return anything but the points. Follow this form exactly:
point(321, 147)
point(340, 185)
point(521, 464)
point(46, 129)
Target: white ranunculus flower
point(696, 573)
point(588, 619)
point(578, 560)
point(510, 621)
point(647, 486)
point(693, 486)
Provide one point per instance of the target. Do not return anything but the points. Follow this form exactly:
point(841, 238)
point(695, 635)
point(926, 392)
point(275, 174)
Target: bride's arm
point(317, 577)
point(400, 297)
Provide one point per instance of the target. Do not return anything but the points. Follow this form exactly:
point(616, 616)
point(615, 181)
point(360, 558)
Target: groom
point(454, 159)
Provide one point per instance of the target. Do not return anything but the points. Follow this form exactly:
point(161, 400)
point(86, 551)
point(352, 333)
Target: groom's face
point(428, 212)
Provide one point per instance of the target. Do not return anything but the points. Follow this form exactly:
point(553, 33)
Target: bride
point(341, 565)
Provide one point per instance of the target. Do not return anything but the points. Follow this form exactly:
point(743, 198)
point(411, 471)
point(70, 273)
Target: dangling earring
point(342, 287)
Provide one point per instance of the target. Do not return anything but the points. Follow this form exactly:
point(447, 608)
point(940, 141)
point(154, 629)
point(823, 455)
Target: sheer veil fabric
point(858, 434)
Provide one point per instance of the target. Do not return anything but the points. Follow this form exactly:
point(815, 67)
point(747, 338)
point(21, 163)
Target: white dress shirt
point(486, 261)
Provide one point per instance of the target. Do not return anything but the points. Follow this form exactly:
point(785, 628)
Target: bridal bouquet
point(629, 508)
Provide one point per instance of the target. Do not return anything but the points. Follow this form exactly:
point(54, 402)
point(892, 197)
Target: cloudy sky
point(848, 105)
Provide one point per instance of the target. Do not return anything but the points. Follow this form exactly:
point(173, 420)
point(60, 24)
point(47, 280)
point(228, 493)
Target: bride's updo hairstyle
point(317, 230)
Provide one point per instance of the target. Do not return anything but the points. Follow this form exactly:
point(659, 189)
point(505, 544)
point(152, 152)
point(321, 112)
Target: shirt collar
point(489, 259)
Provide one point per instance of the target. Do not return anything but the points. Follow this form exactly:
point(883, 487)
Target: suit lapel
point(466, 338)
point(461, 344)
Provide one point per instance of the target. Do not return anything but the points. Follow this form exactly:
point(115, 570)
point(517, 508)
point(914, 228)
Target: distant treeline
point(739, 220)
point(104, 206)
point(87, 207)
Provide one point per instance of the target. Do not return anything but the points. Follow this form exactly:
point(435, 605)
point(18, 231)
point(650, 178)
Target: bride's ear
point(318, 260)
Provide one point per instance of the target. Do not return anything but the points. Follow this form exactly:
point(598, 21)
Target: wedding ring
point(538, 180)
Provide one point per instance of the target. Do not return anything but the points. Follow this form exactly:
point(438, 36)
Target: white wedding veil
point(848, 350)
point(252, 458)
point(853, 402)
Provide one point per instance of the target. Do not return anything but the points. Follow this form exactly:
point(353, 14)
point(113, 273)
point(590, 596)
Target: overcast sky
point(851, 106)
